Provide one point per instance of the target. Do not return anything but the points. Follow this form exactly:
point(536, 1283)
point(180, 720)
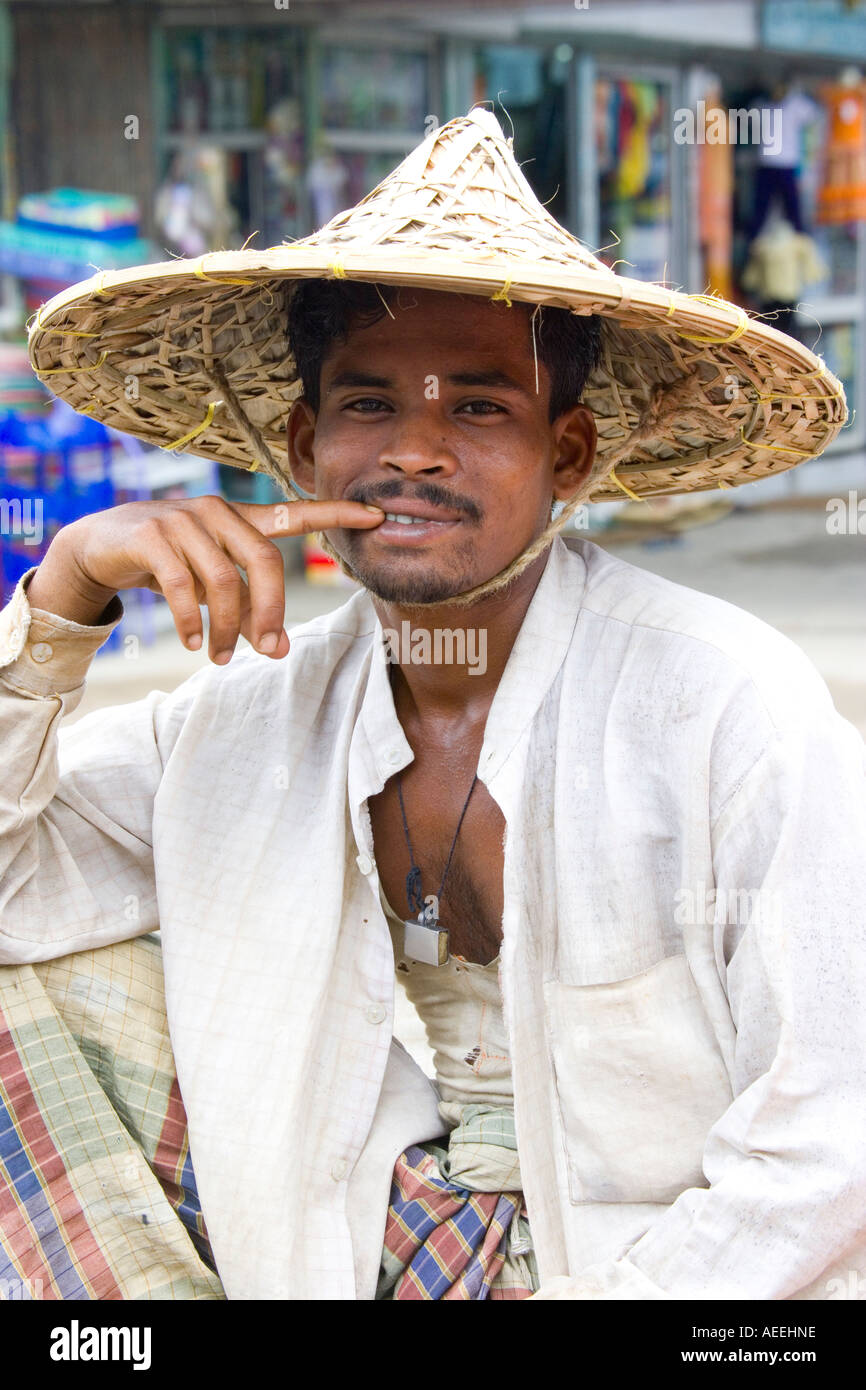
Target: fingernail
point(269, 642)
point(370, 508)
point(222, 658)
point(194, 642)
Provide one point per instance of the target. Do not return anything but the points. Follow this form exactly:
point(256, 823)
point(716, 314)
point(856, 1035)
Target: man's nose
point(416, 445)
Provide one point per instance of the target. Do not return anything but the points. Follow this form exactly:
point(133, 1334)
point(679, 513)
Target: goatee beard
point(408, 589)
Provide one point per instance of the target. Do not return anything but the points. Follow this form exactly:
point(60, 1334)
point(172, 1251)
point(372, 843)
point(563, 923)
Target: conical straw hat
point(690, 394)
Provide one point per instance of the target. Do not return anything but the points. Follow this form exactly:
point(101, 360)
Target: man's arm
point(76, 863)
point(786, 1162)
point(75, 855)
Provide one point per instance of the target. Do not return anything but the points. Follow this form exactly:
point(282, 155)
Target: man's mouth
point(414, 522)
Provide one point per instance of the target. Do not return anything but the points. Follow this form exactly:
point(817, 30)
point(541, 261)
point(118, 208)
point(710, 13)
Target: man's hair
point(322, 313)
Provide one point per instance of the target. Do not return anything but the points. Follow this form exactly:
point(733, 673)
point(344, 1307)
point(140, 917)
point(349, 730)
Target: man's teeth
point(406, 520)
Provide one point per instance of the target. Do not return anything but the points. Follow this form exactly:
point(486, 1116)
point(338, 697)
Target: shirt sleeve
point(76, 861)
point(786, 1162)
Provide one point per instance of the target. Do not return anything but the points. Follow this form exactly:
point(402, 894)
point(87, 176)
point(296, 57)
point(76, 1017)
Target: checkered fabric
point(97, 1192)
point(98, 1197)
point(443, 1241)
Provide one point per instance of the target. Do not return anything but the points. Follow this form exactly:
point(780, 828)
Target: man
point(644, 806)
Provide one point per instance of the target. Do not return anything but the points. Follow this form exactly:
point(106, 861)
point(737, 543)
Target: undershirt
point(460, 1005)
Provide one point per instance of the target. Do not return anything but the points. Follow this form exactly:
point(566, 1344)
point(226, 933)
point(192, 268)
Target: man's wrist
point(58, 587)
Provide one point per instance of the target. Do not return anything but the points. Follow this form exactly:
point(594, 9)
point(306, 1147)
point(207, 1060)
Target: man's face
point(433, 413)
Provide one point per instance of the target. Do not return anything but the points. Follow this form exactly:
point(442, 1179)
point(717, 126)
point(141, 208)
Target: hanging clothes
point(781, 263)
point(715, 206)
point(634, 159)
point(842, 196)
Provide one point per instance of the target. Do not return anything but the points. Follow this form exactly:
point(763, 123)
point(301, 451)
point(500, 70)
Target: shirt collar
point(540, 648)
point(533, 664)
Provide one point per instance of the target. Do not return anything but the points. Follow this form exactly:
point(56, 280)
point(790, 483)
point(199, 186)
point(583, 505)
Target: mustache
point(421, 492)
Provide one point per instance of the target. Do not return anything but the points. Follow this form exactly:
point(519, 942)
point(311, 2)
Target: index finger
point(301, 517)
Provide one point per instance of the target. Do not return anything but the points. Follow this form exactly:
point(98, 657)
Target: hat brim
point(691, 393)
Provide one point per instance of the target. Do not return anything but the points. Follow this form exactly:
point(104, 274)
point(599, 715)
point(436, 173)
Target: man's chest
point(470, 899)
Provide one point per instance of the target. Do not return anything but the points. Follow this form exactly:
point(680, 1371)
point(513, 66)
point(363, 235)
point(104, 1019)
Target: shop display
point(842, 196)
point(193, 210)
point(283, 171)
point(106, 215)
point(369, 105)
point(225, 79)
point(633, 140)
point(234, 149)
point(327, 177)
point(60, 234)
point(380, 90)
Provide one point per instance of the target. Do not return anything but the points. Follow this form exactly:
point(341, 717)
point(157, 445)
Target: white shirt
point(690, 1092)
point(782, 128)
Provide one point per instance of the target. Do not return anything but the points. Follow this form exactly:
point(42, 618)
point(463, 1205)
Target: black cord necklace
point(424, 939)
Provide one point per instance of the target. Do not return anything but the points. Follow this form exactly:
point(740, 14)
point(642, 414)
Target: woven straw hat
point(690, 394)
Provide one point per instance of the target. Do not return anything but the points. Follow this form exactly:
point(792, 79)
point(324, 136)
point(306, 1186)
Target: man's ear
point(575, 440)
point(300, 429)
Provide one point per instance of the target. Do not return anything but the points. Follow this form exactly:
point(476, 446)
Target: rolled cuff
point(43, 654)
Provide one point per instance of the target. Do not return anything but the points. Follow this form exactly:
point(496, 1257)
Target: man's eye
point(367, 405)
point(483, 408)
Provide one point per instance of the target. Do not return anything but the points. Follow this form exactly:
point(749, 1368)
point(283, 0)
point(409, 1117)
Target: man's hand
point(188, 551)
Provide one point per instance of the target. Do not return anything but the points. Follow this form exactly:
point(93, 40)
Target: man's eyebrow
point(362, 379)
point(485, 378)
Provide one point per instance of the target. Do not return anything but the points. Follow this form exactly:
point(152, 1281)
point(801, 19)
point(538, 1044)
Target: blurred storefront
point(258, 122)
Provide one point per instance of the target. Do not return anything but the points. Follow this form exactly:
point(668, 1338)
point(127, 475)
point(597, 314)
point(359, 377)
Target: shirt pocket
point(640, 1080)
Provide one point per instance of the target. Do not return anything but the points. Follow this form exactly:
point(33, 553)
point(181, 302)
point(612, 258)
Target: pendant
point(425, 942)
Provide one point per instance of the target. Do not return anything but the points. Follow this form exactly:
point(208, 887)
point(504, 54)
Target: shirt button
point(339, 1170)
point(375, 1013)
point(42, 651)
point(365, 864)
point(393, 755)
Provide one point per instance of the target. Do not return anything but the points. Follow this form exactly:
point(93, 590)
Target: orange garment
point(715, 207)
point(842, 196)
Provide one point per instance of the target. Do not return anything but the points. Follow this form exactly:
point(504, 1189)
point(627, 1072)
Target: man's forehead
point(477, 334)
